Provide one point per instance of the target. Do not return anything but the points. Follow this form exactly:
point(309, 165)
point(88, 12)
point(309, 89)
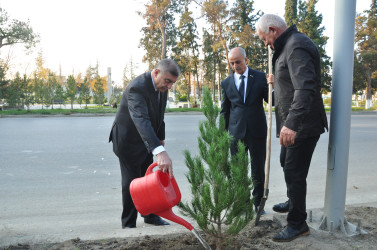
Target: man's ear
point(155, 72)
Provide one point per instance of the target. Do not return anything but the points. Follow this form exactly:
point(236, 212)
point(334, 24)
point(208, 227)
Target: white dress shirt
point(237, 80)
point(161, 148)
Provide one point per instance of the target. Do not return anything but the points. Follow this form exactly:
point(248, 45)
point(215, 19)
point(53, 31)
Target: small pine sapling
point(220, 183)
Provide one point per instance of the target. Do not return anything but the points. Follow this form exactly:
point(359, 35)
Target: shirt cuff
point(158, 150)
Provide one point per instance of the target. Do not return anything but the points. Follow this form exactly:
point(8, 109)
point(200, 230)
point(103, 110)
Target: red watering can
point(156, 193)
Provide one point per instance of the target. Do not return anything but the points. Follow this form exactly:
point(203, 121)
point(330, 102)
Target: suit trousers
point(129, 172)
point(295, 161)
point(257, 151)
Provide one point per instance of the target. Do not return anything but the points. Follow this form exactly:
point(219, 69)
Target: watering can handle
point(150, 168)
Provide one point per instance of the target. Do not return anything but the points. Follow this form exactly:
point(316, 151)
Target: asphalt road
point(60, 180)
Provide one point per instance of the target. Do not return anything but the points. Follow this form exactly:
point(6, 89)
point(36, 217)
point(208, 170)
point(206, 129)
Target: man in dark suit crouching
point(138, 132)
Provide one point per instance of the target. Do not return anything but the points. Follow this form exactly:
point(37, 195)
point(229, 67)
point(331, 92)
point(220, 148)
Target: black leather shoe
point(281, 207)
point(288, 233)
point(128, 226)
point(156, 220)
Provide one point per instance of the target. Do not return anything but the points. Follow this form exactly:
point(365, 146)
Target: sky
point(76, 34)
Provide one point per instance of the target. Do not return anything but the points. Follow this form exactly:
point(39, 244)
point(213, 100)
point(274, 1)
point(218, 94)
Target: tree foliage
point(15, 93)
point(220, 184)
point(290, 14)
point(71, 89)
point(212, 64)
point(128, 73)
point(243, 21)
point(98, 91)
point(13, 31)
point(3, 80)
point(310, 23)
point(186, 53)
point(160, 33)
point(28, 92)
point(217, 15)
point(116, 96)
point(60, 95)
point(85, 92)
point(52, 84)
point(40, 89)
point(366, 52)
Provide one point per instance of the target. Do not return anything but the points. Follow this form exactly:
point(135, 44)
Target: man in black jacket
point(300, 114)
point(243, 93)
point(138, 132)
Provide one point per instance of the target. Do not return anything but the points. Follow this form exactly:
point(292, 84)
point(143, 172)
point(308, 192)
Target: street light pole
point(340, 121)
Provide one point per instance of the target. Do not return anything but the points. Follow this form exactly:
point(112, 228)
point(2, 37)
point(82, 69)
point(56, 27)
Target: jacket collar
point(282, 40)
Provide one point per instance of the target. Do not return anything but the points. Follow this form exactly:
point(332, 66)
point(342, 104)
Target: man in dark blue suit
point(138, 132)
point(243, 93)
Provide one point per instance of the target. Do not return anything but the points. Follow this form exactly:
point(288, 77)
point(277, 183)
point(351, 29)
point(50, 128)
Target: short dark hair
point(168, 65)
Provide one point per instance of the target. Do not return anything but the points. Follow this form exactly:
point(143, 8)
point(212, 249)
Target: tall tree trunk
point(218, 86)
point(194, 89)
point(368, 90)
point(198, 84)
point(189, 90)
point(225, 49)
point(163, 32)
point(163, 49)
point(214, 79)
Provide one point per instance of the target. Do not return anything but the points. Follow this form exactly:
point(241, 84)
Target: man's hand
point(287, 137)
point(270, 79)
point(164, 163)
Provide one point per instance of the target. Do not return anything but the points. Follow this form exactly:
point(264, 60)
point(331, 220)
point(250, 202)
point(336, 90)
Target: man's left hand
point(270, 79)
point(287, 137)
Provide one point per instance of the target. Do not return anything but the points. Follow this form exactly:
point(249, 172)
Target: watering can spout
point(168, 214)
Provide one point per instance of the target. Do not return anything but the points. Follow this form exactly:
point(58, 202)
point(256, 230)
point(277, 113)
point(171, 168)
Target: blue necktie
point(241, 89)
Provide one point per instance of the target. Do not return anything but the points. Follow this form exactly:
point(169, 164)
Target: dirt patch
point(259, 237)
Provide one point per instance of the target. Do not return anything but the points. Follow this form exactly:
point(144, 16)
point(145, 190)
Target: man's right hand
point(164, 163)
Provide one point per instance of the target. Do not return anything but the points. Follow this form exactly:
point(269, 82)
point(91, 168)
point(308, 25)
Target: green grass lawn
point(105, 110)
point(58, 111)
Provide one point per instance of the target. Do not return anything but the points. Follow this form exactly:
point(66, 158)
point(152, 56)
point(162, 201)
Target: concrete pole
point(341, 103)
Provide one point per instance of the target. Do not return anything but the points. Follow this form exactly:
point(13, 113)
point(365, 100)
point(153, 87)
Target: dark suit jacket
point(249, 116)
point(139, 123)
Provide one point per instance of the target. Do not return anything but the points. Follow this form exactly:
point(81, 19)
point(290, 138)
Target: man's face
point(163, 81)
point(268, 39)
point(237, 61)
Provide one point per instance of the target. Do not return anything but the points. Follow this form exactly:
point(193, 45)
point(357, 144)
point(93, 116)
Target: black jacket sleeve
point(303, 75)
point(138, 108)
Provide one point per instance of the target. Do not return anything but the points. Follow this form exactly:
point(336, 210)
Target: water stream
point(201, 240)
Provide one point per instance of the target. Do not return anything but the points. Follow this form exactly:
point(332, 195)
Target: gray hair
point(168, 65)
point(241, 50)
point(270, 20)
